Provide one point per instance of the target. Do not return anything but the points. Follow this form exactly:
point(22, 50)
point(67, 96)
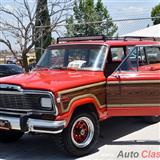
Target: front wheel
point(10, 136)
point(81, 136)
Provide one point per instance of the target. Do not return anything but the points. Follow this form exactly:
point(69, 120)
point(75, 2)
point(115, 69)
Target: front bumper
point(26, 124)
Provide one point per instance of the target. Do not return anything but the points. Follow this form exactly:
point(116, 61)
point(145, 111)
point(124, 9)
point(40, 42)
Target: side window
point(115, 57)
point(131, 61)
point(142, 57)
point(130, 48)
point(117, 54)
point(153, 54)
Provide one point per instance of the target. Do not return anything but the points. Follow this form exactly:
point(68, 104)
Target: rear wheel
point(152, 119)
point(80, 137)
point(10, 136)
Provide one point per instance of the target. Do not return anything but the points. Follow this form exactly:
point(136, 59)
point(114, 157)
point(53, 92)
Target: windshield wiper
point(57, 67)
point(63, 68)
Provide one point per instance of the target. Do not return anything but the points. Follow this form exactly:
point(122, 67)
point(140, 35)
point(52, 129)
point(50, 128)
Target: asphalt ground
point(121, 138)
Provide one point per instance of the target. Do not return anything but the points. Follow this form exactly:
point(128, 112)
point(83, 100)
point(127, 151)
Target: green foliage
point(42, 28)
point(87, 20)
point(156, 13)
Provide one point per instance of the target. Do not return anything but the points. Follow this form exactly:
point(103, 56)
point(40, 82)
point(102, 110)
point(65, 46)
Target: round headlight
point(46, 103)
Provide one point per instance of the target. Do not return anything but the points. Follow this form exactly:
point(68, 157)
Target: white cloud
point(133, 10)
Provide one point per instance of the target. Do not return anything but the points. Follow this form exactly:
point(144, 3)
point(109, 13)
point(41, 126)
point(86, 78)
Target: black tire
point(152, 119)
point(67, 141)
point(10, 136)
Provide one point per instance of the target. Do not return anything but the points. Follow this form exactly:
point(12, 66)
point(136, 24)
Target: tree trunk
point(38, 54)
point(25, 63)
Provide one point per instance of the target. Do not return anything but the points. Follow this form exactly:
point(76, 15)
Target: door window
point(117, 54)
point(153, 54)
point(130, 63)
point(139, 57)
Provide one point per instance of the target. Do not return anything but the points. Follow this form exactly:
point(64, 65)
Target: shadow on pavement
point(42, 146)
point(118, 127)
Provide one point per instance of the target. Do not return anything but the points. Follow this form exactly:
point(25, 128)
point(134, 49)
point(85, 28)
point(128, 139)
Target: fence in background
point(130, 25)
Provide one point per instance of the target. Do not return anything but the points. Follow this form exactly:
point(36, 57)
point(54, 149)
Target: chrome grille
point(26, 102)
point(11, 100)
point(21, 100)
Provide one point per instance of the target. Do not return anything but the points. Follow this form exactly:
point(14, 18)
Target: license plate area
point(5, 125)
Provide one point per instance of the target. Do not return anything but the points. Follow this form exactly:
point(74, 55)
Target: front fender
point(81, 101)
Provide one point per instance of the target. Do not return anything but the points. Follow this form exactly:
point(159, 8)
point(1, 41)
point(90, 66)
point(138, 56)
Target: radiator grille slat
point(21, 101)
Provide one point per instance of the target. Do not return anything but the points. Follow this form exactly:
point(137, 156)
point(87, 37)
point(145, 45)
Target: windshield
point(81, 57)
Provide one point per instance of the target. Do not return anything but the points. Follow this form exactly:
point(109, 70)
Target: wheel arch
point(86, 108)
point(86, 105)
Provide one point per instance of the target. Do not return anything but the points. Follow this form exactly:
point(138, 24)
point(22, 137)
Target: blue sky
point(130, 9)
point(118, 9)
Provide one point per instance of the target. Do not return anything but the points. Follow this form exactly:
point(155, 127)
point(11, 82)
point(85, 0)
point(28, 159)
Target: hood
point(54, 80)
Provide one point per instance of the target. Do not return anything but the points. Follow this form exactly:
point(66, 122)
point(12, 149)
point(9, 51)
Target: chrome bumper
point(34, 125)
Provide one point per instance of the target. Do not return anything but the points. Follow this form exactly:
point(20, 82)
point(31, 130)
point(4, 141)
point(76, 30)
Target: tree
point(42, 23)
point(156, 13)
point(18, 27)
point(90, 19)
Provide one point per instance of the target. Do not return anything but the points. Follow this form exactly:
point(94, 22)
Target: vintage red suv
point(79, 82)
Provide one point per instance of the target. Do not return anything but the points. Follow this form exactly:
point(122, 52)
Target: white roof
point(153, 31)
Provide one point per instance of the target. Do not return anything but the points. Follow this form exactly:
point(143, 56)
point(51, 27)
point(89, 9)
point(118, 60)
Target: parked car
point(9, 69)
point(76, 84)
point(11, 62)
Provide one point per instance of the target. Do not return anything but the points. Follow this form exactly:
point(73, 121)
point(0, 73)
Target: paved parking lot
point(120, 137)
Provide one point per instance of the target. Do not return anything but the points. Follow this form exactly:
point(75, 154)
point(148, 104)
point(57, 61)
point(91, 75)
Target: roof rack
point(103, 38)
point(140, 38)
point(87, 38)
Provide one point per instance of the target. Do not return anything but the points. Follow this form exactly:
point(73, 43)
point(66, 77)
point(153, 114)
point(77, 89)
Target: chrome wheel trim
point(89, 136)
